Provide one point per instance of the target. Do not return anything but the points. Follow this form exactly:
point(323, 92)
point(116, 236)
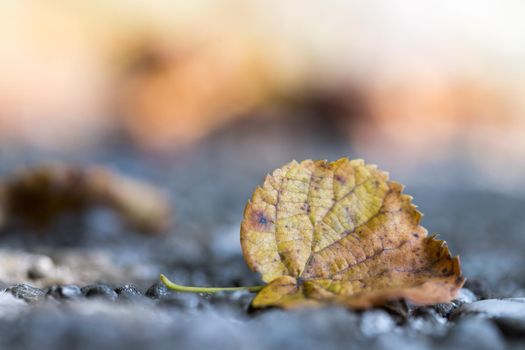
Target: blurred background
point(203, 98)
point(406, 85)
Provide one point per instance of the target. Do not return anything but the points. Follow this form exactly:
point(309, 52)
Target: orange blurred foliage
point(432, 77)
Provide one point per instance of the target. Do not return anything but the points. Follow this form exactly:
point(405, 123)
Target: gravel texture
point(89, 283)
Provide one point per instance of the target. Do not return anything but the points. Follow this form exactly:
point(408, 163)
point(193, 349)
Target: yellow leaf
point(340, 232)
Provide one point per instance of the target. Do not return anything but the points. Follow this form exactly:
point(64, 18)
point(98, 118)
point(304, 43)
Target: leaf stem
point(185, 289)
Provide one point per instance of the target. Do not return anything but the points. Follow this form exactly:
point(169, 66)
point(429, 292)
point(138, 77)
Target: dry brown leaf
point(37, 196)
point(340, 232)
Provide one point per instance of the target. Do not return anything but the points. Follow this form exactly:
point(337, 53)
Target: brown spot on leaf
point(339, 179)
point(357, 247)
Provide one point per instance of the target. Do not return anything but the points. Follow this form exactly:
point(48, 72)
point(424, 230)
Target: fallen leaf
point(340, 232)
point(38, 196)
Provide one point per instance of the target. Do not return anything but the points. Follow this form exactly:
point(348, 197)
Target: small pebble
point(495, 308)
point(69, 291)
point(465, 296)
point(99, 291)
point(375, 322)
point(157, 291)
point(26, 292)
point(444, 309)
point(160, 292)
point(128, 292)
